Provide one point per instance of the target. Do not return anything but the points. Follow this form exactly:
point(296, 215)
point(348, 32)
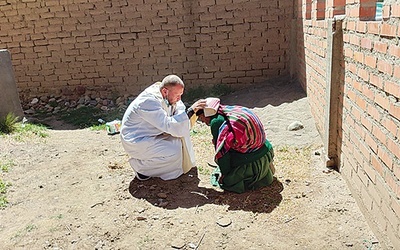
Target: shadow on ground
point(274, 92)
point(185, 192)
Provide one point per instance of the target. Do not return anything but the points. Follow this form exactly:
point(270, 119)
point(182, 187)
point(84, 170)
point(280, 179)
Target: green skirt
point(248, 176)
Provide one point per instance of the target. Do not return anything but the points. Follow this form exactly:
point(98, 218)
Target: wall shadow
point(272, 92)
point(185, 192)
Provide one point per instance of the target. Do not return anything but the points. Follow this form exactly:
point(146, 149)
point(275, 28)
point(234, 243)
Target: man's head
point(171, 89)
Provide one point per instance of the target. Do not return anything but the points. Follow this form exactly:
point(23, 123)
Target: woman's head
point(201, 117)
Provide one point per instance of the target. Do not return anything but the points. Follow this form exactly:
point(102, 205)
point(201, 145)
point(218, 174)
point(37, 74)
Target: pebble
point(162, 195)
point(224, 222)
point(296, 125)
point(178, 244)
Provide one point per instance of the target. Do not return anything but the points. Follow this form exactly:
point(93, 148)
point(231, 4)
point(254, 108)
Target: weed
point(5, 165)
point(204, 170)
point(3, 191)
point(3, 187)
point(98, 127)
point(8, 123)
point(36, 129)
point(30, 228)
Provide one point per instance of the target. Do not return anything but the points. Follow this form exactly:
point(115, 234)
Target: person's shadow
point(185, 192)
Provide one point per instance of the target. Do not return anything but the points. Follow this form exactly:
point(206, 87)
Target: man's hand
point(199, 104)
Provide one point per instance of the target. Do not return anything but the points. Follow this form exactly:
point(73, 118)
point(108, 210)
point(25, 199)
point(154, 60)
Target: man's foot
point(142, 177)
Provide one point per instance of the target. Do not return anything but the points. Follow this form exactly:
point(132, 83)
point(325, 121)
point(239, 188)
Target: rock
point(296, 125)
point(224, 222)
point(163, 204)
point(178, 244)
point(34, 100)
point(192, 245)
point(162, 195)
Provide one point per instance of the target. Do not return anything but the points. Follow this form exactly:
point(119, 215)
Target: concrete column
point(334, 93)
point(9, 98)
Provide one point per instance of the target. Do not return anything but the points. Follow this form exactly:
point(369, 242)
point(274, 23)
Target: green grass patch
point(5, 165)
point(28, 130)
point(98, 127)
point(3, 191)
point(8, 124)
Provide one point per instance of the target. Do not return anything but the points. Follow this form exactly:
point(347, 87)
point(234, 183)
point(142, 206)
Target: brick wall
point(369, 124)
point(122, 46)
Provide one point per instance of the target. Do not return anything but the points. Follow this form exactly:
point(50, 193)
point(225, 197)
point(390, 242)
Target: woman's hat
point(211, 108)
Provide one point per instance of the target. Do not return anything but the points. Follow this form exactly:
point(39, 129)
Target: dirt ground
point(75, 190)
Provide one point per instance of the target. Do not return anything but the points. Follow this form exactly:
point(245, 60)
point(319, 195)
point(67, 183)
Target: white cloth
point(156, 136)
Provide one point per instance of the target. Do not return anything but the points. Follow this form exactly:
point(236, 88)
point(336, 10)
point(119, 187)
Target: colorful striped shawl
point(242, 131)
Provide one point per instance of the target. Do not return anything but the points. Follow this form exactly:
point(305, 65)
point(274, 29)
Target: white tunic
point(156, 136)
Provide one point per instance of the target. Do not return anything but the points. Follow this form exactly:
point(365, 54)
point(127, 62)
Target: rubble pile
point(54, 104)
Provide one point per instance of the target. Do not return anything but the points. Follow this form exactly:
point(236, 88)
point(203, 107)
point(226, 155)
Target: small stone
point(192, 245)
point(296, 125)
point(34, 100)
point(140, 218)
point(162, 195)
point(224, 222)
point(178, 244)
point(163, 204)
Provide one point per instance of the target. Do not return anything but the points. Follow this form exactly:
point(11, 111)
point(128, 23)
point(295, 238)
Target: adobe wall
point(368, 99)
point(66, 47)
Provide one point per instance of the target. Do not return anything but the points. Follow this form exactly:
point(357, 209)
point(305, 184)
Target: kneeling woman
point(242, 152)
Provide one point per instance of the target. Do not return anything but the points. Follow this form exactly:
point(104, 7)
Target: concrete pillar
point(334, 93)
point(9, 98)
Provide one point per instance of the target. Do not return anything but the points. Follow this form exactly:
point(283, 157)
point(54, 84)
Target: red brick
point(396, 71)
point(370, 61)
point(382, 101)
point(394, 51)
point(376, 164)
point(366, 43)
point(385, 157)
point(393, 147)
point(355, 40)
point(385, 67)
point(373, 28)
point(394, 110)
point(380, 47)
point(395, 10)
point(364, 74)
point(376, 80)
point(392, 88)
point(388, 30)
point(358, 56)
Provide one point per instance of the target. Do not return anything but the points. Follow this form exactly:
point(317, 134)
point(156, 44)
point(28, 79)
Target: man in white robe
point(155, 131)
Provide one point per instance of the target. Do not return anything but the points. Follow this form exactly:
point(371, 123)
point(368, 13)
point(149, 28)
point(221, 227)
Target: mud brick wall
point(120, 47)
point(369, 97)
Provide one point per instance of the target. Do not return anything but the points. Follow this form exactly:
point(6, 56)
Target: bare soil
point(75, 190)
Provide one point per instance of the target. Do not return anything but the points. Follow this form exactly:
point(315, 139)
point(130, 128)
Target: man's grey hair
point(171, 80)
